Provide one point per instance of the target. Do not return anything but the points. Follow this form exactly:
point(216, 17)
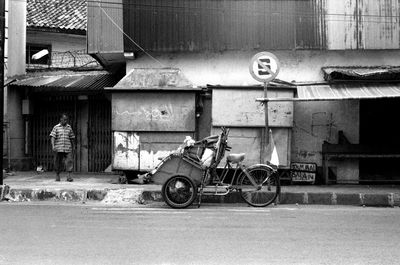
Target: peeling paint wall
point(153, 111)
point(341, 24)
point(143, 151)
point(125, 151)
point(379, 27)
point(362, 24)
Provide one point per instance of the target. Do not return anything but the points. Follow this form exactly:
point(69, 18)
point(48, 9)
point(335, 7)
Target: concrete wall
point(232, 68)
point(60, 42)
point(314, 122)
point(16, 38)
point(15, 67)
point(16, 131)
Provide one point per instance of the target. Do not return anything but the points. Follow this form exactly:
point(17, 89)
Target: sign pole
point(264, 67)
point(266, 114)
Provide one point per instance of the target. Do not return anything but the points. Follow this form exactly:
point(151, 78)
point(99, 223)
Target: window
point(32, 49)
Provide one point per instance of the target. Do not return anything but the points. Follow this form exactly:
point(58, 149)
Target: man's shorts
point(62, 159)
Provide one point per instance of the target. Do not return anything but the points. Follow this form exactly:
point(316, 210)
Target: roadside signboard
point(264, 67)
point(303, 172)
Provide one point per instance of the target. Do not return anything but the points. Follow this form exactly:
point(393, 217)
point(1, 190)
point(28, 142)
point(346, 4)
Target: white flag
point(272, 152)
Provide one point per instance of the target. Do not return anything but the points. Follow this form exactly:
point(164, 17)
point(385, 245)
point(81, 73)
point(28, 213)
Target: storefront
point(82, 98)
point(372, 159)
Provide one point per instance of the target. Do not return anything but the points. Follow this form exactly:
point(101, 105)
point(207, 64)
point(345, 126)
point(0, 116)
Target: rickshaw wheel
point(266, 193)
point(179, 192)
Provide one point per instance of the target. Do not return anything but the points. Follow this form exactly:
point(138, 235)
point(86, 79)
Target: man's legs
point(69, 165)
point(58, 159)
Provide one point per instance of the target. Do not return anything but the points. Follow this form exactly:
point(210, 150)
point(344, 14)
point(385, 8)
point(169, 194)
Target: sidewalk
point(105, 188)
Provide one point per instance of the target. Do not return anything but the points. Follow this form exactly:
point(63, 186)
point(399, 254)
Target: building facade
point(212, 42)
point(57, 76)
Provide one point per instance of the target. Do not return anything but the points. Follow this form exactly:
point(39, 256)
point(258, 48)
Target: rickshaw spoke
point(267, 187)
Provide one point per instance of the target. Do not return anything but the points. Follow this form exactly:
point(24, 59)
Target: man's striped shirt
point(63, 135)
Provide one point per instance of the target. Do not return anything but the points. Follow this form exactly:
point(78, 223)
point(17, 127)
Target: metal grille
point(47, 114)
point(99, 134)
point(65, 60)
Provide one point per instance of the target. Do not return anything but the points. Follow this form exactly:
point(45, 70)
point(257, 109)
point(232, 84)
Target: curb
point(4, 190)
point(332, 198)
point(142, 196)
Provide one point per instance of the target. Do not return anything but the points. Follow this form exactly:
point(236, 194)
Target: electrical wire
point(255, 10)
point(329, 17)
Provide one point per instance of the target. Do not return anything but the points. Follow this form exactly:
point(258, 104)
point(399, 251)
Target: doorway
point(90, 118)
point(378, 129)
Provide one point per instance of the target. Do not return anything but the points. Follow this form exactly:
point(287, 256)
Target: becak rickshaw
point(192, 170)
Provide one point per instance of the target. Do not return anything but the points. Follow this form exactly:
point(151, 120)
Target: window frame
point(39, 47)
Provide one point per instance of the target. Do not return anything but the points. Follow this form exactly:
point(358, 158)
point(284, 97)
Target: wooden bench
point(344, 149)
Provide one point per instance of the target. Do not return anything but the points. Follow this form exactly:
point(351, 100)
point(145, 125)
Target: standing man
point(62, 142)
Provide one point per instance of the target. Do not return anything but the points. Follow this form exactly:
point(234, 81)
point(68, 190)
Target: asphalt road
point(96, 234)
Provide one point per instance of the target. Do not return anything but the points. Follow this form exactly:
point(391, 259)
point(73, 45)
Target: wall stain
point(305, 154)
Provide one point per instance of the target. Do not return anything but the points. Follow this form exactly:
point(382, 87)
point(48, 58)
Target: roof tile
point(57, 14)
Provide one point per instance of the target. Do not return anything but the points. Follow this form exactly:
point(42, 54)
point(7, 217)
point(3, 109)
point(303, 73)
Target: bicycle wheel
point(179, 192)
point(266, 190)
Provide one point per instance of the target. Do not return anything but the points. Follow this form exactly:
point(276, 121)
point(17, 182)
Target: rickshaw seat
point(235, 158)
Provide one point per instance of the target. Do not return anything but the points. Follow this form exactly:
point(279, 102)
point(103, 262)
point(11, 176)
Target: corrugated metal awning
point(348, 91)
point(342, 92)
point(68, 83)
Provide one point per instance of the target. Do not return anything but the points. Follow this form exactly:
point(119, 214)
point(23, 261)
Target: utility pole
point(2, 39)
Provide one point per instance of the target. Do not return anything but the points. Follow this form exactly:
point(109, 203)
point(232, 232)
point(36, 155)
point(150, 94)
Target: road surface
point(53, 233)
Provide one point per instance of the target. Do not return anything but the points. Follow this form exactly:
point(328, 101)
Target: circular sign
point(264, 67)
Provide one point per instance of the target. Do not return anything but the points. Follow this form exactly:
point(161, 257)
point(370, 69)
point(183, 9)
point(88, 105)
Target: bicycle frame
point(220, 179)
point(233, 185)
point(221, 188)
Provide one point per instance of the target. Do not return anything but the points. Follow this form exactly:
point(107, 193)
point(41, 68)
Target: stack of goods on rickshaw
point(190, 158)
